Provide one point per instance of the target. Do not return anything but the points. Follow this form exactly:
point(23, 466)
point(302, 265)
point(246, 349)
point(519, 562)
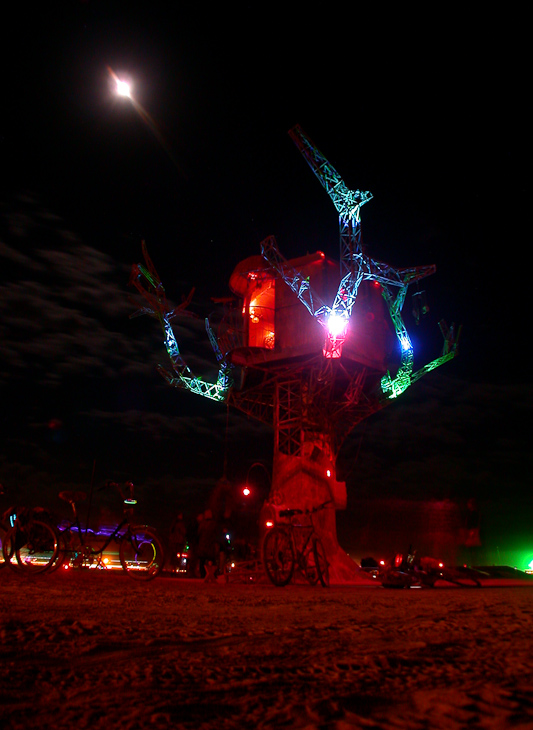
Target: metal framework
point(317, 398)
point(355, 268)
point(347, 202)
point(147, 282)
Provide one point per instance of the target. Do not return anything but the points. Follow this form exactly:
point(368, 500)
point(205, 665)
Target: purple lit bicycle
point(140, 550)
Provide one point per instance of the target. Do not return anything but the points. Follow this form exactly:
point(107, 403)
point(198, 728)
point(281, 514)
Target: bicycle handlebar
point(127, 498)
point(292, 512)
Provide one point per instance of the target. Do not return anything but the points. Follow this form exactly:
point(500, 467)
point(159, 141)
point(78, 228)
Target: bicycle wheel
point(8, 546)
point(141, 553)
point(64, 553)
point(321, 562)
point(278, 556)
point(3, 533)
point(35, 546)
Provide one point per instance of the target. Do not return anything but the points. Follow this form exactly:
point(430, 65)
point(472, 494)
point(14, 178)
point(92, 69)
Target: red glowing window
point(261, 312)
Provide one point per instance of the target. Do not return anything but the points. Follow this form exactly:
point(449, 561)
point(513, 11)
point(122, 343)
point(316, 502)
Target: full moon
point(123, 88)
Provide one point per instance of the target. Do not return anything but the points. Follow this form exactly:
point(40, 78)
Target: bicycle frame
point(300, 543)
point(291, 544)
point(89, 552)
point(31, 544)
point(141, 553)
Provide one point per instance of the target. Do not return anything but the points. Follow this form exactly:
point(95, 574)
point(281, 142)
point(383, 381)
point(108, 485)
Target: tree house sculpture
point(312, 346)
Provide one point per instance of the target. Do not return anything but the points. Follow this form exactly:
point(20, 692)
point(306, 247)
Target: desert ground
point(98, 650)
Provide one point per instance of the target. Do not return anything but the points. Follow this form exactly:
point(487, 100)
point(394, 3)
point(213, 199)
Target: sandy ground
point(98, 650)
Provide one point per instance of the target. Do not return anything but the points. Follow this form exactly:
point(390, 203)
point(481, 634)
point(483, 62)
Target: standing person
point(177, 541)
point(207, 541)
point(225, 536)
point(472, 541)
point(192, 541)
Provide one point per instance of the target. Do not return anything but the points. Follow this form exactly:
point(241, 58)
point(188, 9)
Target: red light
point(246, 491)
point(269, 523)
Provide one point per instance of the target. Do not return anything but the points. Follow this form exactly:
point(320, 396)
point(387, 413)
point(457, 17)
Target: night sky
point(428, 112)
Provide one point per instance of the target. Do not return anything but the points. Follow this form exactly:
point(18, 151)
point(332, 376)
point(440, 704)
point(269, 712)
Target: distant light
point(328, 472)
point(123, 88)
point(246, 491)
point(269, 523)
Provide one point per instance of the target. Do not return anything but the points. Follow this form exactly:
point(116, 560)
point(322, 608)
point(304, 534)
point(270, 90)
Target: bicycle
point(3, 532)
point(31, 544)
point(141, 551)
point(411, 572)
point(291, 545)
point(246, 566)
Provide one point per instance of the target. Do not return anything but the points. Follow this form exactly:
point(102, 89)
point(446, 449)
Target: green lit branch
point(214, 391)
point(393, 387)
point(147, 282)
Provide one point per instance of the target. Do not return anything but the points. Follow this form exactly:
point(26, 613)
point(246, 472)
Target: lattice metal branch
point(147, 282)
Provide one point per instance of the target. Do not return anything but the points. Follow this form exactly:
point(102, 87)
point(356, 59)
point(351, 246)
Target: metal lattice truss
point(355, 268)
point(313, 400)
point(347, 202)
point(393, 387)
point(304, 401)
point(294, 279)
point(147, 282)
point(370, 270)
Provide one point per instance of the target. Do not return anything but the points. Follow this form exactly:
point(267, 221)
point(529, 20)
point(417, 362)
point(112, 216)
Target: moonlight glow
point(123, 88)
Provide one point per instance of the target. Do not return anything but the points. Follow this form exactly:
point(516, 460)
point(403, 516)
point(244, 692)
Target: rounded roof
point(238, 281)
point(258, 265)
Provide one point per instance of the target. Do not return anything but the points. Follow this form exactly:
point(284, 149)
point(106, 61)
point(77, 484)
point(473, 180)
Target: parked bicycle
point(3, 531)
point(140, 551)
point(31, 543)
point(408, 571)
point(245, 566)
point(295, 544)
